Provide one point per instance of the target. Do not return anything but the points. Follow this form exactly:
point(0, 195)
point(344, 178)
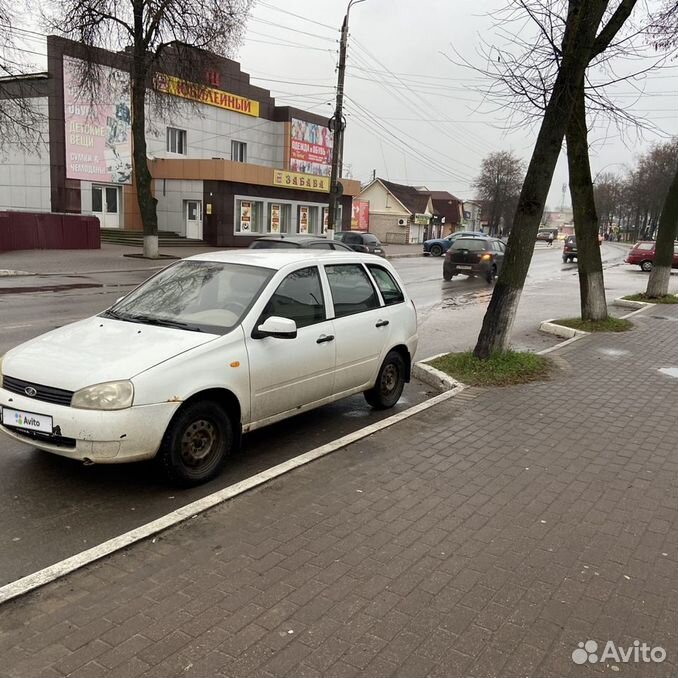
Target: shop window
point(238, 151)
point(249, 217)
point(279, 217)
point(308, 219)
point(176, 140)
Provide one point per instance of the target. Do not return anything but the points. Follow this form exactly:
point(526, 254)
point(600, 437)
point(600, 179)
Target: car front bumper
point(100, 436)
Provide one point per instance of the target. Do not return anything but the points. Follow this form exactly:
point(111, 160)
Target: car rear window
point(388, 287)
point(473, 244)
point(645, 246)
point(370, 239)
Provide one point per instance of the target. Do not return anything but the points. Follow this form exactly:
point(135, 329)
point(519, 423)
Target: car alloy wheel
point(646, 266)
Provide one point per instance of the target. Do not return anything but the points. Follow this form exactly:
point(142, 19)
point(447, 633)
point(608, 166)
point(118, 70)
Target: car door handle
point(382, 323)
point(323, 338)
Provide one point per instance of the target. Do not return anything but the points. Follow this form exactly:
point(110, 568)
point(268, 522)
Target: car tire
point(390, 382)
point(448, 276)
point(436, 251)
point(197, 444)
point(491, 274)
point(646, 266)
point(565, 260)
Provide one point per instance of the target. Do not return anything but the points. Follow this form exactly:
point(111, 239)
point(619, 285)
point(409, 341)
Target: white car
point(211, 347)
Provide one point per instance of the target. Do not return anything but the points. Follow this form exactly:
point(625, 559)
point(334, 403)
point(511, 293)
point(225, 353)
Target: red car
point(643, 252)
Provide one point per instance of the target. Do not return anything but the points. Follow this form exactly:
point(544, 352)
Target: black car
point(361, 242)
point(570, 249)
point(474, 256)
point(283, 241)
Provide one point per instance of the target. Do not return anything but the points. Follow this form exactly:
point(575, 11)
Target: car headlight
point(111, 395)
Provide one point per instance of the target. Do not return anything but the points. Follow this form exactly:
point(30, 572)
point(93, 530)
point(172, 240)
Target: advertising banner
point(246, 216)
point(310, 148)
point(275, 218)
point(99, 133)
point(301, 181)
point(360, 216)
point(303, 220)
point(205, 95)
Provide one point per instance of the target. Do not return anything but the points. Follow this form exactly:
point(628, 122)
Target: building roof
point(412, 199)
point(444, 195)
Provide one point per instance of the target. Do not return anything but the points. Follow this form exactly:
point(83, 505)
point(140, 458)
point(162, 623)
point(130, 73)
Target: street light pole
point(337, 127)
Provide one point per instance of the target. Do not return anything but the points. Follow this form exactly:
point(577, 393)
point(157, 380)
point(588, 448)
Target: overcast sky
point(411, 113)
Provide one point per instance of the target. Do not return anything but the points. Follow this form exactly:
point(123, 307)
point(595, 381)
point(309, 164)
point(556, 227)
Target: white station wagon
point(209, 348)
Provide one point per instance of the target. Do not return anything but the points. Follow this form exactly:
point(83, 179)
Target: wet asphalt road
point(51, 508)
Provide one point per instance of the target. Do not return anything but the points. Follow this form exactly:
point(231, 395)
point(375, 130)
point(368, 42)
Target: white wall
point(24, 176)
point(171, 194)
point(382, 202)
point(210, 130)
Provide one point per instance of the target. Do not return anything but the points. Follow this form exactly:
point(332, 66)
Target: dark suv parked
point(569, 249)
point(474, 256)
point(361, 242)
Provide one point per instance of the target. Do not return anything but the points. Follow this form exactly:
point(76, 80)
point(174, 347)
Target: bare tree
point(158, 37)
point(498, 186)
point(20, 120)
point(583, 39)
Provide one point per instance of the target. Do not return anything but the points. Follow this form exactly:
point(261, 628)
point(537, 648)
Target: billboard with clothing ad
point(310, 148)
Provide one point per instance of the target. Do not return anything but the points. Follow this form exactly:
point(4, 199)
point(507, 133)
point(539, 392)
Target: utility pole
point(337, 125)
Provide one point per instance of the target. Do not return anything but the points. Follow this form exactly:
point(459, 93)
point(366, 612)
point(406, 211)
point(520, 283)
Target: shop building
point(227, 163)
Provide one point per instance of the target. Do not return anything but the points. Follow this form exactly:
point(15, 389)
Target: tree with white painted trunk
point(157, 37)
point(660, 275)
point(583, 39)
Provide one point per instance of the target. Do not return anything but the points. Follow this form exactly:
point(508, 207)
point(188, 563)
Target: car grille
point(48, 394)
point(59, 441)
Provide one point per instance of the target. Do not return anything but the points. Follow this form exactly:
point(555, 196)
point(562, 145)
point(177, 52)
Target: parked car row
point(351, 241)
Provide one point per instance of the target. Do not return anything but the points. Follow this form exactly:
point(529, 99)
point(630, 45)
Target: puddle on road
point(466, 299)
point(49, 288)
point(670, 371)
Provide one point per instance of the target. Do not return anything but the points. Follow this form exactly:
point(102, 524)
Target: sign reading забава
point(304, 181)
point(205, 95)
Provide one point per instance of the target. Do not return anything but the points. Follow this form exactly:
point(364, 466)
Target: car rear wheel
point(447, 276)
point(491, 274)
point(646, 266)
point(436, 250)
point(390, 383)
point(196, 444)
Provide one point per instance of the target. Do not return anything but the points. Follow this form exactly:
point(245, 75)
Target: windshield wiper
point(162, 322)
point(109, 313)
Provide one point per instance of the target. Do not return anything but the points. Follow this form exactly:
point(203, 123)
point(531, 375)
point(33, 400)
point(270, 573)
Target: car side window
point(299, 297)
point(496, 245)
point(352, 291)
point(388, 287)
point(353, 239)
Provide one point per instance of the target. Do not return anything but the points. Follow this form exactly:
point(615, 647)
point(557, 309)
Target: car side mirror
point(276, 327)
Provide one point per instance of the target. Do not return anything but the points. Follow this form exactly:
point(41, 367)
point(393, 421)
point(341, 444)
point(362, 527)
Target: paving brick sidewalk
point(484, 537)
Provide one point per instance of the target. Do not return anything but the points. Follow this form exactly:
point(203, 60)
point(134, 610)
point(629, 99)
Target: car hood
point(95, 350)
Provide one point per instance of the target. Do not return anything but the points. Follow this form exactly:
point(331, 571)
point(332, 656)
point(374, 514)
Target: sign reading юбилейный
point(307, 182)
point(169, 84)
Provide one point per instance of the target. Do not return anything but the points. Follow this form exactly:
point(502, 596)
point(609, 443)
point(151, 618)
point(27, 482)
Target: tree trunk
point(658, 284)
point(583, 20)
point(589, 264)
point(142, 175)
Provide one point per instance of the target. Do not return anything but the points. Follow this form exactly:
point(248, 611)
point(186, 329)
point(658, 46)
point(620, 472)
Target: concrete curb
point(6, 273)
point(550, 327)
point(627, 303)
point(437, 379)
point(404, 256)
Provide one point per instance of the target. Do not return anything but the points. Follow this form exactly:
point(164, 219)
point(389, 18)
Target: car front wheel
point(646, 266)
point(390, 383)
point(436, 250)
point(196, 444)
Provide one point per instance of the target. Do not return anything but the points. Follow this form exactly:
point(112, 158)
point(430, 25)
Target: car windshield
point(370, 239)
point(475, 244)
point(202, 296)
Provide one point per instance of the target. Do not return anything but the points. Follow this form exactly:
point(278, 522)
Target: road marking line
point(64, 567)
